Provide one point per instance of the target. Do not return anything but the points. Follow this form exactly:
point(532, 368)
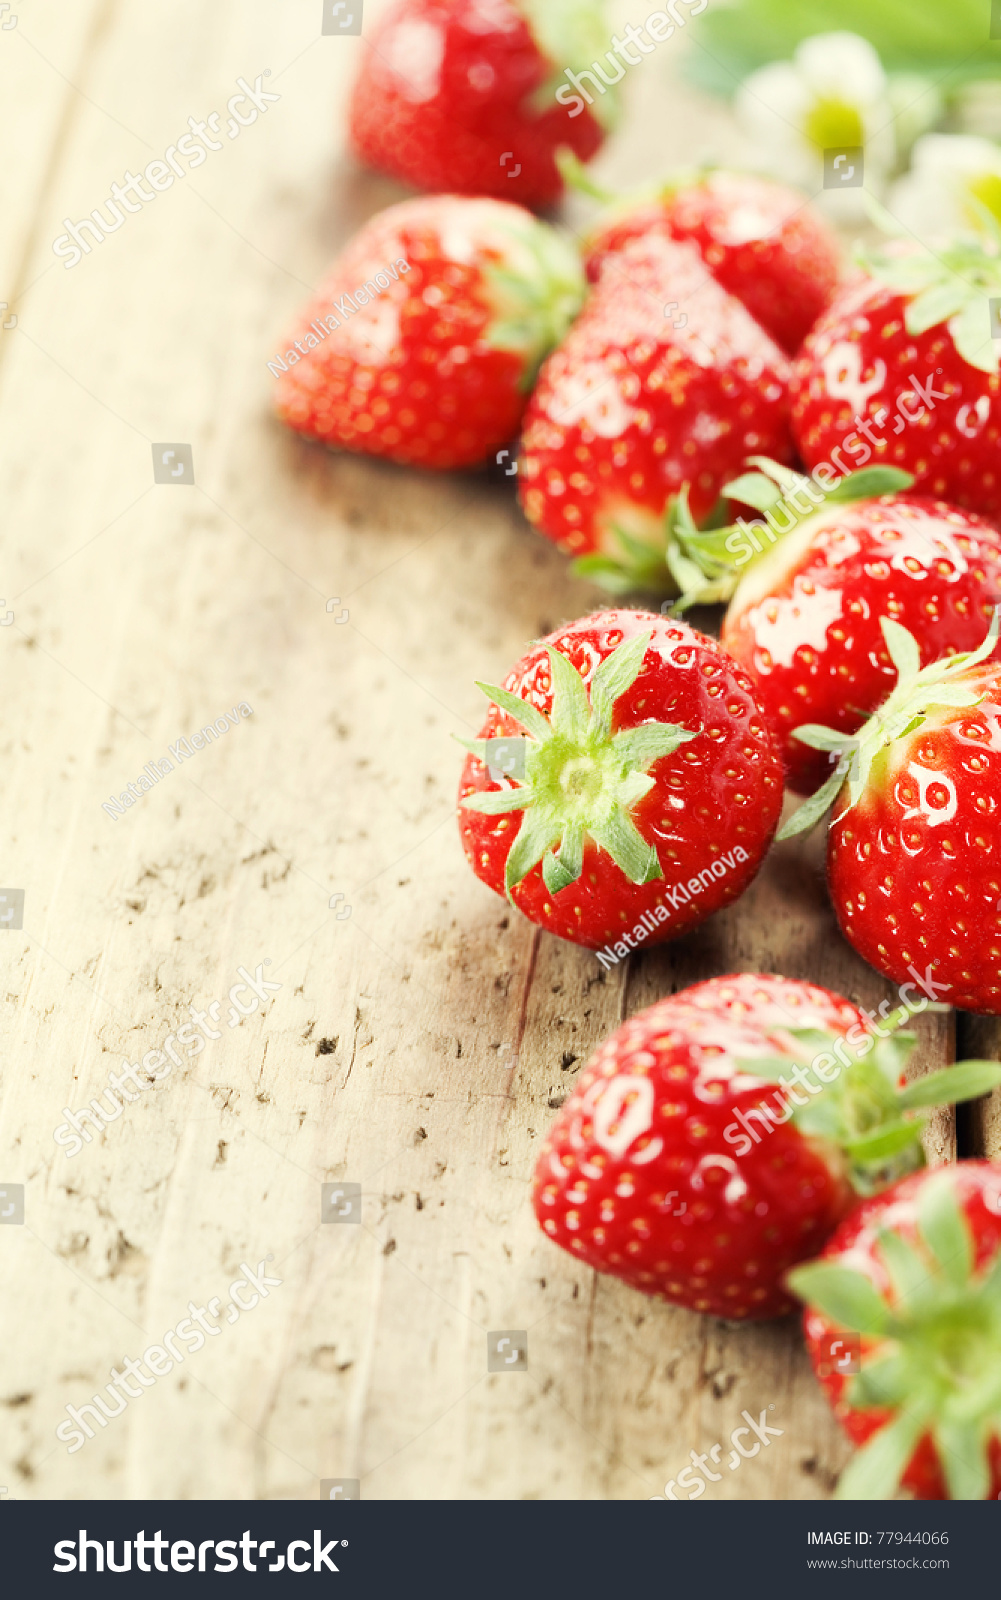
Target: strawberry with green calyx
point(472, 96)
point(708, 564)
point(761, 240)
point(914, 1276)
point(424, 341)
point(905, 356)
point(814, 582)
point(721, 1135)
point(912, 851)
point(635, 405)
point(624, 782)
point(950, 683)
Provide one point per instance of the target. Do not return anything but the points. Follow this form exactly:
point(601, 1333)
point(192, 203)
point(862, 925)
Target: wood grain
point(420, 1045)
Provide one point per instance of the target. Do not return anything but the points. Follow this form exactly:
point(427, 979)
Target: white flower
point(948, 171)
point(833, 94)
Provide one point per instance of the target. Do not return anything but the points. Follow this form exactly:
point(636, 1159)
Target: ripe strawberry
point(804, 617)
point(424, 340)
point(461, 95)
point(913, 848)
point(911, 345)
point(631, 409)
point(759, 239)
point(645, 794)
point(914, 1276)
point(668, 1167)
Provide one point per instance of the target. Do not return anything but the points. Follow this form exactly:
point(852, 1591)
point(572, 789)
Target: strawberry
point(632, 408)
point(624, 783)
point(424, 340)
point(905, 357)
point(912, 1281)
point(679, 1165)
point(470, 96)
point(804, 617)
point(760, 240)
point(913, 848)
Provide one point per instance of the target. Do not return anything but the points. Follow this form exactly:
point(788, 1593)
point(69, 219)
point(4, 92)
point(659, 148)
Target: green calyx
point(572, 35)
point(581, 780)
point(918, 692)
point(535, 293)
point(708, 563)
point(933, 1352)
point(704, 565)
point(951, 284)
point(850, 1096)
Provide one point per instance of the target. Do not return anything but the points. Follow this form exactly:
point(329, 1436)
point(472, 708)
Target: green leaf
point(536, 834)
point(886, 1381)
point(944, 1228)
point(951, 1085)
point(971, 334)
point(884, 1141)
point(563, 868)
point(812, 810)
point(913, 1284)
point(520, 710)
point(871, 482)
point(937, 304)
point(844, 1296)
point(627, 848)
point(903, 648)
point(498, 802)
point(944, 40)
point(875, 1473)
point(571, 709)
point(754, 489)
point(962, 1451)
point(617, 673)
point(649, 742)
point(820, 738)
point(609, 573)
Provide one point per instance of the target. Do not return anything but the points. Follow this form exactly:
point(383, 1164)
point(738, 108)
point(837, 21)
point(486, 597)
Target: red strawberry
point(804, 618)
point(424, 340)
point(645, 794)
point(913, 850)
point(759, 239)
point(906, 359)
point(909, 1291)
point(663, 1169)
point(461, 95)
point(631, 409)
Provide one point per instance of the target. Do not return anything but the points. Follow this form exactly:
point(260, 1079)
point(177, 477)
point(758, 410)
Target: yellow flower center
point(986, 189)
point(833, 125)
